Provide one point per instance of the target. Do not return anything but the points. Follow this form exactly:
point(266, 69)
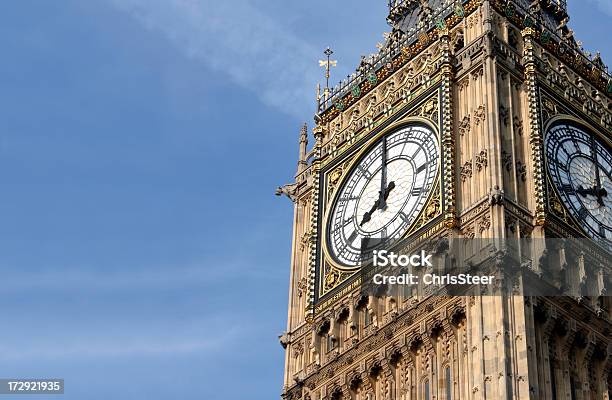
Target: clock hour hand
point(382, 197)
point(596, 191)
point(390, 187)
point(367, 217)
point(586, 192)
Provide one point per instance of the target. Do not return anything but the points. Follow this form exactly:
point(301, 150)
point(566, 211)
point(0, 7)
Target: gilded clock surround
point(334, 275)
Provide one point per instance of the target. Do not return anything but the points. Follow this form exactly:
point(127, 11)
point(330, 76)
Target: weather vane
point(327, 64)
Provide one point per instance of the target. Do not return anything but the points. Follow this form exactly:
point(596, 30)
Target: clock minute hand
point(382, 203)
point(600, 192)
point(382, 196)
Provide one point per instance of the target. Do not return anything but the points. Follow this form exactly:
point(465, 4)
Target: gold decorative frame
point(330, 274)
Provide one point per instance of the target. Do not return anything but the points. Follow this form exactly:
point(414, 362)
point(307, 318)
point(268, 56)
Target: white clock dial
point(383, 194)
point(580, 166)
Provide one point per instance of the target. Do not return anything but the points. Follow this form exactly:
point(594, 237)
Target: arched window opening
point(325, 332)
point(331, 343)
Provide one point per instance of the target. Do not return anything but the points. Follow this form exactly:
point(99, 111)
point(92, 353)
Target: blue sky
point(142, 252)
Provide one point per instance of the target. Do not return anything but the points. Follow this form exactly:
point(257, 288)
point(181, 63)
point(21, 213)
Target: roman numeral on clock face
point(342, 224)
point(416, 191)
point(561, 165)
point(568, 189)
point(364, 171)
point(348, 198)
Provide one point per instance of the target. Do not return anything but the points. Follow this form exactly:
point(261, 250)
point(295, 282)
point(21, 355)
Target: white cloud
point(253, 49)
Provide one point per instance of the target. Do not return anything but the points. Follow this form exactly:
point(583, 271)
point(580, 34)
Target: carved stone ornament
point(432, 209)
point(504, 114)
point(289, 190)
point(466, 171)
point(506, 159)
point(304, 240)
point(518, 125)
point(468, 232)
point(464, 126)
point(480, 114)
point(334, 177)
point(521, 171)
point(496, 196)
point(485, 223)
point(331, 279)
point(481, 161)
point(430, 109)
point(557, 207)
point(302, 287)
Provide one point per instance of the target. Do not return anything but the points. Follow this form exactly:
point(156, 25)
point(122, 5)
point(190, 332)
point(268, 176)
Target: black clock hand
point(367, 217)
point(599, 191)
point(382, 204)
point(389, 189)
point(586, 192)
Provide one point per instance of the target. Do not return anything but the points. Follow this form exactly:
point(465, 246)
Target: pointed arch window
point(367, 318)
point(331, 343)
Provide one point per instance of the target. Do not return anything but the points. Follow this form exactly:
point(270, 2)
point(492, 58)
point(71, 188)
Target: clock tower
point(483, 126)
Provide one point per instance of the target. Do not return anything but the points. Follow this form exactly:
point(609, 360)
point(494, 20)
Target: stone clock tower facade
point(477, 120)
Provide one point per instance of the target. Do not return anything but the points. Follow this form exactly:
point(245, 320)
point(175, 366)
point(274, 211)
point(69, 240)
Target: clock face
point(580, 167)
point(383, 194)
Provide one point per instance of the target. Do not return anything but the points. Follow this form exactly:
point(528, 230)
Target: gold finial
point(327, 64)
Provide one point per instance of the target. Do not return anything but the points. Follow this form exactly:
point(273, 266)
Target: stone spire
point(302, 164)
